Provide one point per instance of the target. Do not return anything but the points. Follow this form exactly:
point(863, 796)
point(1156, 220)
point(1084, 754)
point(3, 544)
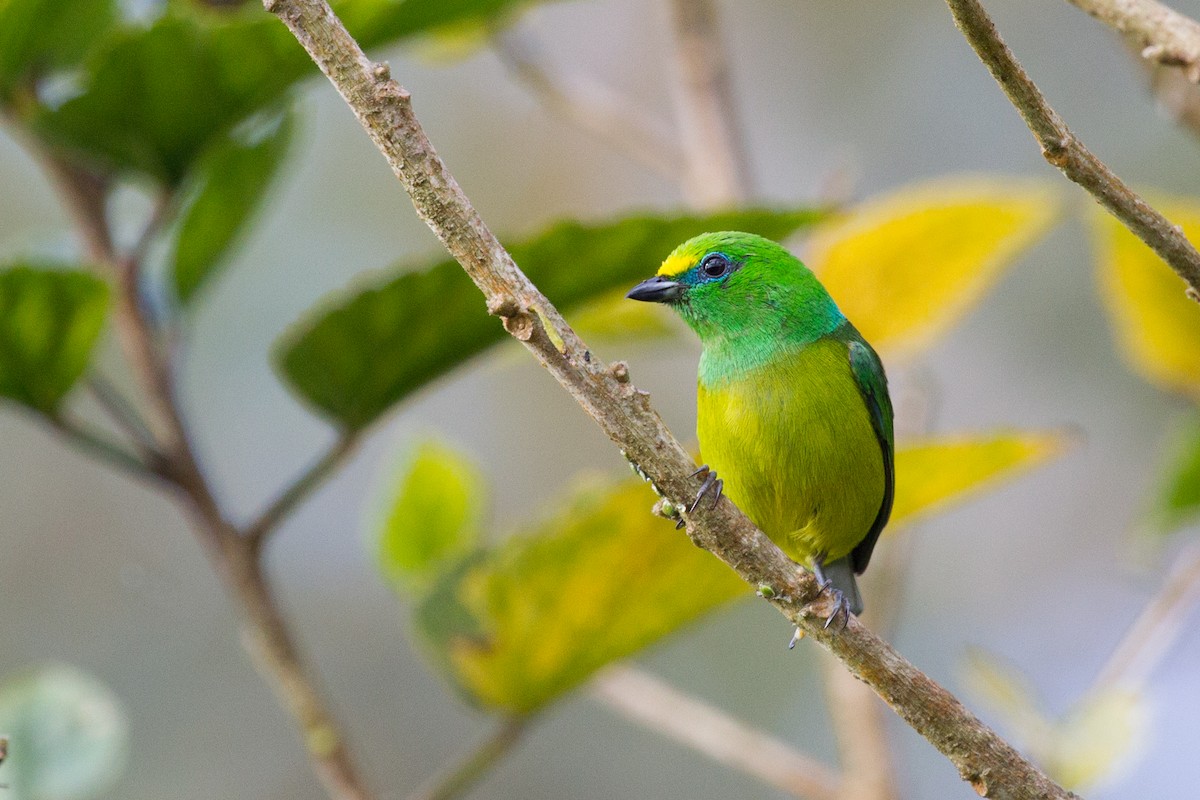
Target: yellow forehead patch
point(676, 264)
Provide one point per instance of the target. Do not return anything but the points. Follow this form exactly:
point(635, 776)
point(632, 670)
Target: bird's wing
point(872, 382)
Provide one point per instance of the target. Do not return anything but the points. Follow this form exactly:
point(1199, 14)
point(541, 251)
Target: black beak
point(657, 290)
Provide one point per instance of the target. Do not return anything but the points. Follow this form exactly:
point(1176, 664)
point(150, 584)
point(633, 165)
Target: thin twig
point(1156, 628)
point(1067, 153)
point(266, 635)
point(1162, 34)
point(656, 704)
point(462, 776)
point(717, 173)
point(589, 104)
point(316, 474)
point(95, 444)
point(122, 412)
point(384, 109)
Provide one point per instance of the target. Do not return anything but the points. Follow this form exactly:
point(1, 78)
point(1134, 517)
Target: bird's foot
point(712, 484)
point(841, 606)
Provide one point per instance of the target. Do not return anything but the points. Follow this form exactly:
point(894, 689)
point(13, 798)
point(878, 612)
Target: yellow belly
point(795, 446)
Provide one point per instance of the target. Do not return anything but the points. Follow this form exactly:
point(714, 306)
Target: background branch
point(588, 104)
point(461, 777)
point(1063, 150)
point(266, 635)
point(1157, 627)
point(717, 173)
point(641, 697)
point(96, 445)
point(1163, 34)
point(308, 481)
point(384, 109)
point(122, 412)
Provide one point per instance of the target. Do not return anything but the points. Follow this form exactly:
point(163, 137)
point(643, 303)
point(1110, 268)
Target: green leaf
point(356, 359)
point(67, 736)
point(377, 21)
point(518, 625)
point(38, 37)
point(432, 516)
point(155, 99)
point(1178, 498)
point(232, 179)
point(152, 100)
point(49, 322)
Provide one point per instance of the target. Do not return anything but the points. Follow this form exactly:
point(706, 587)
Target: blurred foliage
point(67, 736)
point(433, 516)
point(50, 318)
point(364, 354)
point(1157, 326)
point(42, 36)
point(906, 266)
point(378, 21)
point(197, 104)
point(1085, 747)
point(1177, 501)
point(933, 471)
point(231, 181)
point(611, 318)
point(152, 99)
point(517, 624)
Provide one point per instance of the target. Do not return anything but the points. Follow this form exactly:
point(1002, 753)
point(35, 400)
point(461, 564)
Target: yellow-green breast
point(794, 443)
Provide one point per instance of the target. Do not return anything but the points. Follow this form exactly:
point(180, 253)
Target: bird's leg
point(711, 483)
point(841, 606)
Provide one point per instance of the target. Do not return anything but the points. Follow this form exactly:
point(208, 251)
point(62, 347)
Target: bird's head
point(732, 283)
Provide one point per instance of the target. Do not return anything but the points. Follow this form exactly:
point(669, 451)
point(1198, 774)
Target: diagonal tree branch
point(1062, 149)
point(1162, 34)
point(990, 764)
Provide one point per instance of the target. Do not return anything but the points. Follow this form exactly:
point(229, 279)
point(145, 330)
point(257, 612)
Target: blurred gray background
point(104, 574)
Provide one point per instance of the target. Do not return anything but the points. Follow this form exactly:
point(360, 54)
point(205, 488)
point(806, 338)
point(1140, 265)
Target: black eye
point(714, 265)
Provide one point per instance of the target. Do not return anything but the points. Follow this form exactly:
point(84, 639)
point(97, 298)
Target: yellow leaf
point(1157, 326)
point(516, 626)
point(1100, 736)
point(1003, 687)
point(906, 266)
point(520, 624)
point(932, 473)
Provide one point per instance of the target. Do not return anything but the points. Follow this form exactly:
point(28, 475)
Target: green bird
point(793, 406)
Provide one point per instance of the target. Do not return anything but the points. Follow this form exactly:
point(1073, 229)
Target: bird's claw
point(711, 483)
point(841, 607)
